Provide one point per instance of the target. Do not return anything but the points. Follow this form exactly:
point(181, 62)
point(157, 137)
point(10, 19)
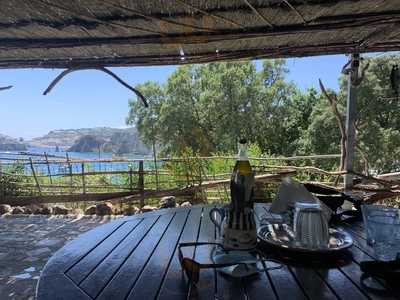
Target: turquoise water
point(61, 168)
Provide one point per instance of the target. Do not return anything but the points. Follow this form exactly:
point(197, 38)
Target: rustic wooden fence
point(36, 179)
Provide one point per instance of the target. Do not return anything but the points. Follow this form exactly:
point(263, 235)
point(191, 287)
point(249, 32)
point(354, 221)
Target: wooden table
point(136, 258)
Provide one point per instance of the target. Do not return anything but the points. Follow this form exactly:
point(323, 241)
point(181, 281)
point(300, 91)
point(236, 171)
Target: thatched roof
point(88, 33)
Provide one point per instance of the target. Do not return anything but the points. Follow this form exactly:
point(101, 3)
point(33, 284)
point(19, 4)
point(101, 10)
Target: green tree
point(208, 107)
point(377, 120)
point(146, 119)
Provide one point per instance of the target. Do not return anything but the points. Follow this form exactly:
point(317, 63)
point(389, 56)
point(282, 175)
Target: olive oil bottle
point(242, 166)
point(239, 231)
point(242, 179)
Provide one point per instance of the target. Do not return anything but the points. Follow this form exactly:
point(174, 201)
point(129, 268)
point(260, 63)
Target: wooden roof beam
point(280, 52)
point(204, 37)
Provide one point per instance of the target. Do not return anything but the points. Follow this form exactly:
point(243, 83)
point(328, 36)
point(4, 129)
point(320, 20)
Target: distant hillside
point(119, 141)
point(88, 143)
point(10, 144)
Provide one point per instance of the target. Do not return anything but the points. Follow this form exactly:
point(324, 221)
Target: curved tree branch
point(66, 72)
point(2, 88)
point(333, 103)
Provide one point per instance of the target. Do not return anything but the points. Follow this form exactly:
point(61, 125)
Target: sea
point(8, 158)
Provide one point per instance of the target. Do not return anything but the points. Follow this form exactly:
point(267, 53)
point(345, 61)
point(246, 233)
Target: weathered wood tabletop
point(136, 258)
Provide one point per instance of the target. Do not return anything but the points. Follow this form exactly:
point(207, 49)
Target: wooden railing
point(50, 179)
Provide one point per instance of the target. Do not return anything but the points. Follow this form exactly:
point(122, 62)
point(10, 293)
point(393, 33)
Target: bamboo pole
point(2, 190)
point(130, 188)
point(83, 179)
point(141, 183)
point(130, 179)
point(155, 163)
point(70, 171)
point(34, 175)
point(88, 173)
point(48, 167)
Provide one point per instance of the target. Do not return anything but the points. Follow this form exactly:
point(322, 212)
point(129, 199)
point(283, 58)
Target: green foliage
point(206, 108)
point(10, 183)
point(377, 121)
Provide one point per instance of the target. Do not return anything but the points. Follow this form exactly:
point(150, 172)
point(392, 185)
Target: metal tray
point(282, 236)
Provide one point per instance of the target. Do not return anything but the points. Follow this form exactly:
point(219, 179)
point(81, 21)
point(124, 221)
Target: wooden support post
point(141, 183)
point(130, 189)
point(34, 175)
point(83, 178)
point(130, 179)
point(70, 173)
point(155, 163)
point(48, 167)
point(350, 118)
point(2, 190)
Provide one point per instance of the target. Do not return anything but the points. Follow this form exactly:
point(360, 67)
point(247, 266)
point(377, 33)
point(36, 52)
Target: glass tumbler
point(375, 210)
point(385, 235)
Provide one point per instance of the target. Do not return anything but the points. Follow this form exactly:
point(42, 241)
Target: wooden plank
point(357, 240)
point(157, 265)
point(59, 287)
point(343, 287)
point(105, 271)
point(260, 288)
point(175, 285)
point(312, 284)
point(285, 284)
point(353, 272)
point(124, 279)
point(228, 287)
point(357, 255)
point(309, 281)
point(282, 280)
point(76, 249)
point(88, 263)
point(206, 287)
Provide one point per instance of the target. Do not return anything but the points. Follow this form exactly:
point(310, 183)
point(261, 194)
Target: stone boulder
point(5, 208)
point(129, 211)
point(46, 210)
point(103, 209)
point(18, 210)
point(167, 202)
point(27, 210)
point(147, 208)
point(77, 211)
point(35, 209)
point(61, 210)
point(186, 204)
point(91, 210)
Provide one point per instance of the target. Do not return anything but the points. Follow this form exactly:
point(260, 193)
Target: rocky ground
point(28, 241)
point(29, 236)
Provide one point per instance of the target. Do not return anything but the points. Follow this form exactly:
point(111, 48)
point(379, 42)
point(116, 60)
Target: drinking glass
point(311, 226)
point(375, 210)
point(385, 235)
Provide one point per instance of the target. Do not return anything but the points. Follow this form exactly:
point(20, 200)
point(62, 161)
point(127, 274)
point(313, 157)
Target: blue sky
point(92, 98)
